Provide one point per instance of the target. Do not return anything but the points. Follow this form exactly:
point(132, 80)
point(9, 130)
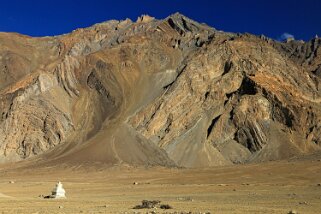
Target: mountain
point(169, 92)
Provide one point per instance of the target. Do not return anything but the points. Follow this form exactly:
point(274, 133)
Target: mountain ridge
point(168, 92)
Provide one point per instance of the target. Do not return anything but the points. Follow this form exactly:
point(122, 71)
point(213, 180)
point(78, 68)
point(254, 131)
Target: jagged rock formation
point(158, 92)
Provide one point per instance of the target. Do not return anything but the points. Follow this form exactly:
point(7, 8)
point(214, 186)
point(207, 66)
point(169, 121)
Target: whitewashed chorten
point(58, 191)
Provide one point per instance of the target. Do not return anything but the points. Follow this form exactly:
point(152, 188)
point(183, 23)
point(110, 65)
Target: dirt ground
point(274, 187)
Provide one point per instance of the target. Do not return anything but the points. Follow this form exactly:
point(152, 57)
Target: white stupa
point(58, 191)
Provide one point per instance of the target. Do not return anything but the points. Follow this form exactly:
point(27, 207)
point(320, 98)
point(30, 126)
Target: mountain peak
point(145, 18)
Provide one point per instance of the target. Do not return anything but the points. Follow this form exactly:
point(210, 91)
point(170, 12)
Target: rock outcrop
point(169, 92)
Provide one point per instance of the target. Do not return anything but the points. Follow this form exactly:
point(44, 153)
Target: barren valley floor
point(274, 187)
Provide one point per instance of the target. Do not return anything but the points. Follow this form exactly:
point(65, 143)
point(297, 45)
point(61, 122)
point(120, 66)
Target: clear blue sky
point(272, 18)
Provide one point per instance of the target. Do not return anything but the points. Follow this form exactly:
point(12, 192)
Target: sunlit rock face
point(169, 92)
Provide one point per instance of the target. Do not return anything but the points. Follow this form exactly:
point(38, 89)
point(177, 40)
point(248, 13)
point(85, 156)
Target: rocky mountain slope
point(169, 92)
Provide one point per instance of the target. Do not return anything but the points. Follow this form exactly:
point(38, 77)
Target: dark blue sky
point(272, 18)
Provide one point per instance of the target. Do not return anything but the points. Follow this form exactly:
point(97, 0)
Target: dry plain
point(273, 187)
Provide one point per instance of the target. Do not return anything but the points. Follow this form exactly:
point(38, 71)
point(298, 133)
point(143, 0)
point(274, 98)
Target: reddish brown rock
point(158, 92)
